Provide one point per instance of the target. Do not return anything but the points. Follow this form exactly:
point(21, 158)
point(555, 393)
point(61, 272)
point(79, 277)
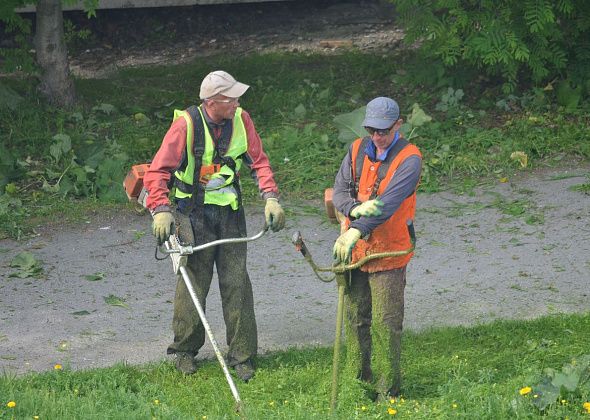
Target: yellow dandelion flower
point(11, 404)
point(586, 406)
point(525, 390)
point(35, 417)
point(204, 417)
point(364, 408)
point(503, 180)
point(454, 405)
point(391, 411)
point(58, 367)
point(156, 402)
point(286, 402)
point(535, 396)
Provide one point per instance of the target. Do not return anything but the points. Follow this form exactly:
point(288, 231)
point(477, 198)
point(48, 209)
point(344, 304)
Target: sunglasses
point(381, 133)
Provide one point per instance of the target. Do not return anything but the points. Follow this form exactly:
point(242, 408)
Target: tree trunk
point(52, 55)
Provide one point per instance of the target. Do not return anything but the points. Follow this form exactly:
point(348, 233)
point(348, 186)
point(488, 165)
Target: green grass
point(456, 372)
point(293, 99)
point(583, 188)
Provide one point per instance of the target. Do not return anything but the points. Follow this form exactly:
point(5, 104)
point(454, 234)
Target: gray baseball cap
point(381, 113)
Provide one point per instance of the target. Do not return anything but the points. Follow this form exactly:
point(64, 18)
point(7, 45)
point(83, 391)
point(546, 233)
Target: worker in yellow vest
point(199, 159)
point(375, 189)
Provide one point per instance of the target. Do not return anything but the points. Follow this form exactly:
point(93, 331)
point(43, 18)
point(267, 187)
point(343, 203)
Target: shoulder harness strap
point(197, 201)
point(383, 168)
point(358, 164)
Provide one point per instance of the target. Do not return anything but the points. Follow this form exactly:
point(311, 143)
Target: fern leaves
point(533, 39)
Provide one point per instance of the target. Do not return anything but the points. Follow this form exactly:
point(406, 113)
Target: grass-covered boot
point(245, 371)
point(185, 363)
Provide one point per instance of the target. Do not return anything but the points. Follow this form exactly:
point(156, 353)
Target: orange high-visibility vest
point(393, 234)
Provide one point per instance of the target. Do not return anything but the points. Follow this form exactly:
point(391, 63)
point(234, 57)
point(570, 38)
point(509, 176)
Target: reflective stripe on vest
point(392, 235)
point(219, 190)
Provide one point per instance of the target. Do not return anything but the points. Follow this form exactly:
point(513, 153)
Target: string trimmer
point(179, 253)
point(341, 271)
point(179, 247)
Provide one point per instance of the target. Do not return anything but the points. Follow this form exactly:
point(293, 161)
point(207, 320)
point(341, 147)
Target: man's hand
point(344, 244)
point(274, 214)
point(162, 226)
point(368, 208)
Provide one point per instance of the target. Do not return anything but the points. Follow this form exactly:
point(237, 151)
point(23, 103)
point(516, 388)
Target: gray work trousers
point(375, 314)
point(220, 222)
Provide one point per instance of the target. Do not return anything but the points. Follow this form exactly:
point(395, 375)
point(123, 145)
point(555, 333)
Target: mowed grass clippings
point(489, 371)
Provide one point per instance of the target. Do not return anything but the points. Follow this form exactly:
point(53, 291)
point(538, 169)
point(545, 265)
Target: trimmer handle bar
point(189, 249)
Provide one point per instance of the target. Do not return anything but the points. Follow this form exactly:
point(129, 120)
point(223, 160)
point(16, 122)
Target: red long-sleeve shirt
point(169, 157)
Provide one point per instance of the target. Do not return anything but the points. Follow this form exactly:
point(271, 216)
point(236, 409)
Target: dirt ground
point(129, 38)
point(515, 250)
point(519, 249)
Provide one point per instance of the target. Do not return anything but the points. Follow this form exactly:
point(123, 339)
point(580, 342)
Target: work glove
point(368, 208)
point(274, 214)
point(162, 226)
point(344, 244)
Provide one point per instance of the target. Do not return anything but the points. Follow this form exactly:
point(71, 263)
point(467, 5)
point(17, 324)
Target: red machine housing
point(133, 182)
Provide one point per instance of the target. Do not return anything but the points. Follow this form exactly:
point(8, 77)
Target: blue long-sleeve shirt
point(403, 183)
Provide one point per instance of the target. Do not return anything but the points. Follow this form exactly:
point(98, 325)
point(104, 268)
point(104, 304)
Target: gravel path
point(515, 250)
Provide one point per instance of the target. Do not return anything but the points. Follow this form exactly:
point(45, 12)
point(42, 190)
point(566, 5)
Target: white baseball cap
point(221, 82)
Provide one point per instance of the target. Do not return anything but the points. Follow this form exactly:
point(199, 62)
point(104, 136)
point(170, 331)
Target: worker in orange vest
point(375, 189)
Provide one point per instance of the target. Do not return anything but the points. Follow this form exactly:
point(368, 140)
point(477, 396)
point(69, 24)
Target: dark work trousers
point(220, 222)
point(375, 314)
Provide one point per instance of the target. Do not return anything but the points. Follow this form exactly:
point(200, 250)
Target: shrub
point(517, 41)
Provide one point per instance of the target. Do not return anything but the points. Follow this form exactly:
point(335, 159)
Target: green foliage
point(350, 125)
point(74, 36)
point(511, 40)
point(115, 301)
point(568, 96)
point(8, 168)
point(572, 381)
point(450, 100)
point(583, 188)
point(95, 277)
point(27, 266)
point(83, 163)
point(303, 159)
point(19, 57)
point(459, 372)
point(12, 213)
point(416, 119)
point(100, 175)
point(52, 157)
point(9, 99)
